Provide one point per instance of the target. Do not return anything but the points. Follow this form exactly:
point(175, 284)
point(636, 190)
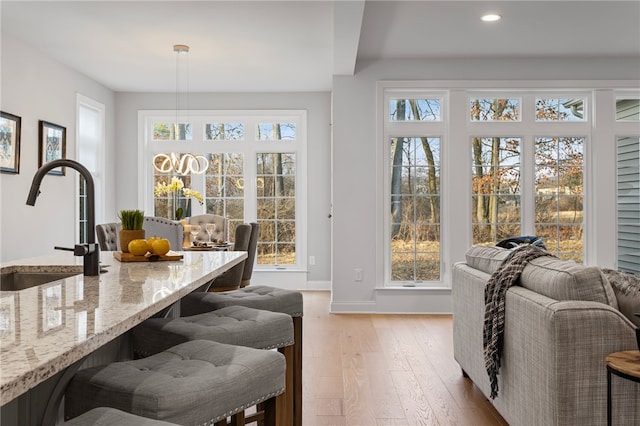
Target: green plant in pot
point(132, 221)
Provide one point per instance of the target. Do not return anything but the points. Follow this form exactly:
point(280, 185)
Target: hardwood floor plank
point(396, 370)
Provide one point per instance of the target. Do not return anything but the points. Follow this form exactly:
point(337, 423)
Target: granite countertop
point(46, 328)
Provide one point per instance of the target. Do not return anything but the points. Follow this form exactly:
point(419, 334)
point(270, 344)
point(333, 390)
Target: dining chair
point(162, 227)
point(231, 279)
point(107, 234)
point(251, 255)
point(220, 233)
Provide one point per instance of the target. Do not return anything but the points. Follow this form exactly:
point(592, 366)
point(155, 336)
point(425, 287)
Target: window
point(413, 131)
point(560, 109)
point(256, 163)
point(495, 195)
point(90, 148)
point(415, 209)
point(529, 185)
point(495, 109)
point(276, 184)
point(532, 168)
point(559, 197)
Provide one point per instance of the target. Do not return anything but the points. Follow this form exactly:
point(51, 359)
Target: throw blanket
point(494, 298)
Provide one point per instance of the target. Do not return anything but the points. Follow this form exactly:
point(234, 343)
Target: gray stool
point(264, 298)
point(234, 325)
point(194, 383)
point(103, 416)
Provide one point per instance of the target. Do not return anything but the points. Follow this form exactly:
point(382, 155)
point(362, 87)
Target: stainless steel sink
point(16, 278)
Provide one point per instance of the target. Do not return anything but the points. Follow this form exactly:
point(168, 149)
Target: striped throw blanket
point(494, 298)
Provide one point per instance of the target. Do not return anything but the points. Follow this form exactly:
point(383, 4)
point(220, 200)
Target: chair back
point(162, 227)
point(251, 255)
point(107, 234)
point(220, 232)
point(231, 279)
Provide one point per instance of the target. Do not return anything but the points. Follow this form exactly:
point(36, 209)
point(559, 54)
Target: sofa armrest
point(553, 360)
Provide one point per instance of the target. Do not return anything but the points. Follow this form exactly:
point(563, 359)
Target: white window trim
point(99, 176)
point(147, 148)
point(457, 239)
point(435, 129)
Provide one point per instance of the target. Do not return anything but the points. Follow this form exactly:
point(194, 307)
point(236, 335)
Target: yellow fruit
point(138, 247)
point(151, 240)
point(160, 246)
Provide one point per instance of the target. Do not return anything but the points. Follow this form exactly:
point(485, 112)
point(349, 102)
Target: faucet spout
point(92, 254)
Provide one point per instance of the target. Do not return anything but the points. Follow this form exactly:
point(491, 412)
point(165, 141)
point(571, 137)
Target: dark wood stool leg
point(237, 419)
point(270, 413)
point(285, 401)
point(297, 359)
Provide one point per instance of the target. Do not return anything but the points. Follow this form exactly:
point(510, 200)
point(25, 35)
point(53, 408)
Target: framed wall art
point(9, 143)
point(53, 145)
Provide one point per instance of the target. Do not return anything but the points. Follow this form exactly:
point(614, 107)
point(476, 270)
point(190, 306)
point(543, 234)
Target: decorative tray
point(128, 257)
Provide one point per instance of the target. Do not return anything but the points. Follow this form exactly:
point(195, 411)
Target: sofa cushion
point(567, 280)
point(549, 276)
point(626, 287)
point(486, 259)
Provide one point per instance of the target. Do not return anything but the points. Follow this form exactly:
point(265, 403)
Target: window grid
point(559, 177)
point(232, 182)
point(496, 198)
point(415, 209)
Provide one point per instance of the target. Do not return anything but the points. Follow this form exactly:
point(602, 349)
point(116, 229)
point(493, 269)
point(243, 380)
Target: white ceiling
point(263, 46)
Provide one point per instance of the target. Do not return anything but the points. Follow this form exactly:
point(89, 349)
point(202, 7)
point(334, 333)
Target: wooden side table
point(623, 364)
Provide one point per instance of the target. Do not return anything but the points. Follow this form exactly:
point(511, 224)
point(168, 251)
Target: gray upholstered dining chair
point(251, 255)
point(107, 234)
point(231, 279)
point(162, 227)
point(220, 233)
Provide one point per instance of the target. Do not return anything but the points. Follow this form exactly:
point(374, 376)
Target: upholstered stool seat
point(264, 298)
point(257, 297)
point(103, 416)
point(233, 325)
point(194, 383)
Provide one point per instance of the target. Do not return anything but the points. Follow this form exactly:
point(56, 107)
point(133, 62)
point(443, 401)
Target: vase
point(126, 236)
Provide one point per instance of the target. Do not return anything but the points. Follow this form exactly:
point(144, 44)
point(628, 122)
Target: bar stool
point(263, 298)
point(194, 383)
point(103, 416)
point(235, 325)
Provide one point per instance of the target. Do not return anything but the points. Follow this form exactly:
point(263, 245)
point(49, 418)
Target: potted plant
point(132, 221)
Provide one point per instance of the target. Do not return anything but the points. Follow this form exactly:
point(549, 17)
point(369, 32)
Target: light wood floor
point(366, 370)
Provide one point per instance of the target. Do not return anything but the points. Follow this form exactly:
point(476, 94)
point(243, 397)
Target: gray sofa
point(561, 322)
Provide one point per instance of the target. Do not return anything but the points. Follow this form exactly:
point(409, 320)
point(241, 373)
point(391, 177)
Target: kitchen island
point(47, 328)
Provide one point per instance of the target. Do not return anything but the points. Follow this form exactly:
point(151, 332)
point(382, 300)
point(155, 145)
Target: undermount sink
point(15, 278)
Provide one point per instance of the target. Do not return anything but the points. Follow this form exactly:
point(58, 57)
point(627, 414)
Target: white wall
point(354, 165)
point(36, 87)
point(316, 104)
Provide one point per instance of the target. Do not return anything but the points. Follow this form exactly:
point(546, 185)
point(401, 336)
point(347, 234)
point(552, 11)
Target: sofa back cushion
point(486, 259)
point(550, 276)
point(567, 280)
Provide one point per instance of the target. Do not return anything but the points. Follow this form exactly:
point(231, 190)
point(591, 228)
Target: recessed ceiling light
point(491, 17)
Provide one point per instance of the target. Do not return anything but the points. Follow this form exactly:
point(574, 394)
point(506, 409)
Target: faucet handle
point(64, 248)
point(79, 249)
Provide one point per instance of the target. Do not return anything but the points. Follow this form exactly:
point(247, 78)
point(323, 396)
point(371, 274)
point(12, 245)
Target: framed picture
point(9, 143)
point(53, 145)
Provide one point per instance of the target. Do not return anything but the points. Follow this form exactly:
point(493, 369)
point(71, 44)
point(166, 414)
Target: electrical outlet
point(312, 260)
point(358, 272)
